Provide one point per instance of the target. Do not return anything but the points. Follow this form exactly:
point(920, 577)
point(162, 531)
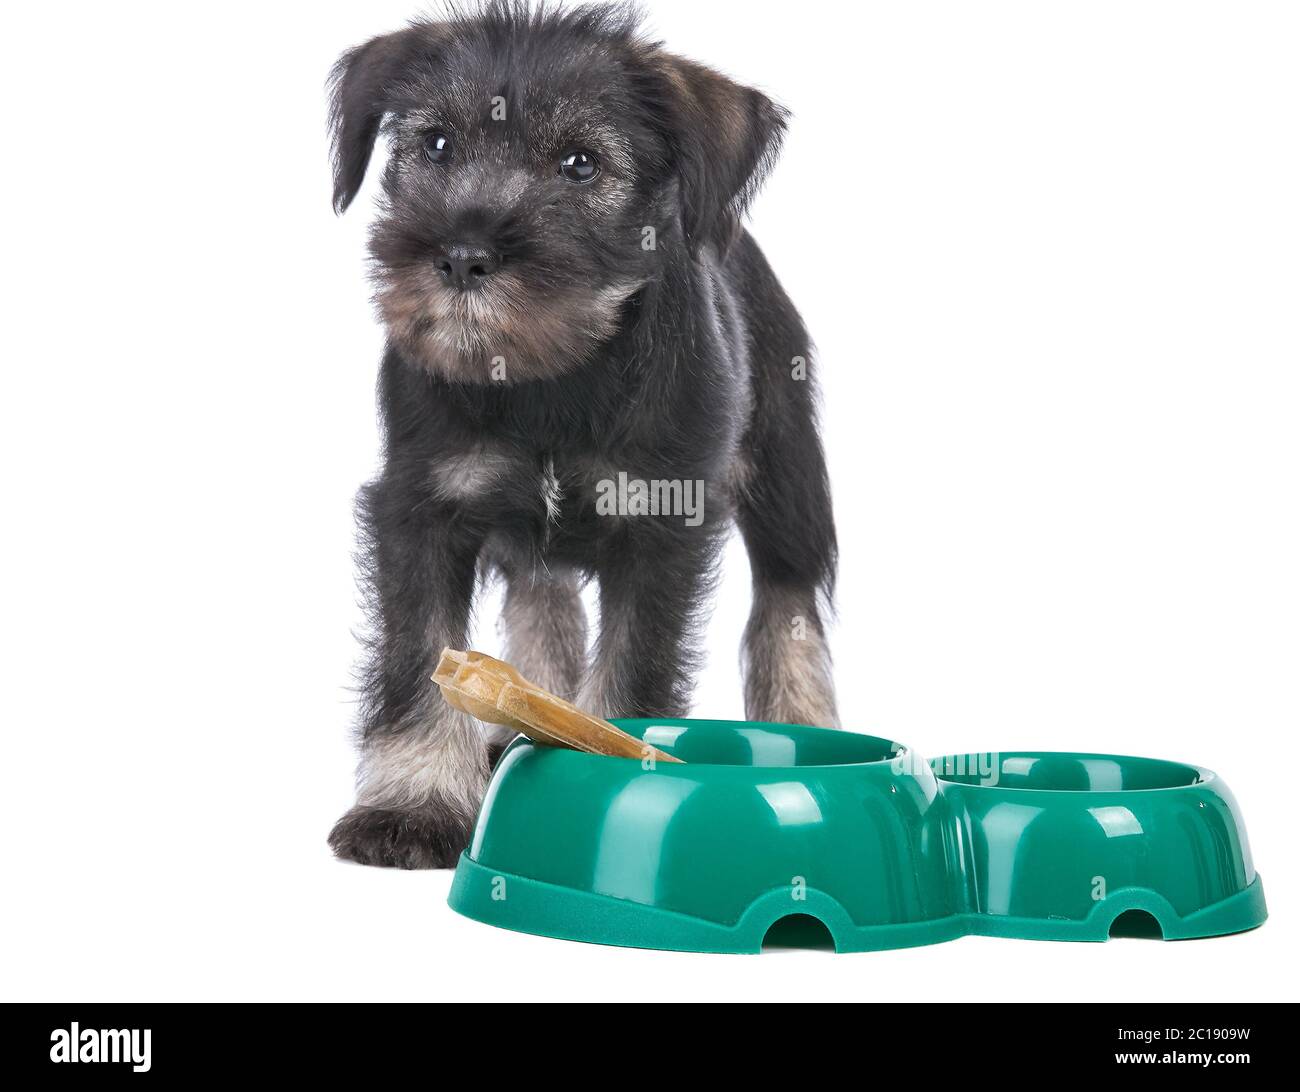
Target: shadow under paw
point(396, 838)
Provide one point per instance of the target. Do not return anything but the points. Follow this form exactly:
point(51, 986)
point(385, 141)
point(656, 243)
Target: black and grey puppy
point(591, 372)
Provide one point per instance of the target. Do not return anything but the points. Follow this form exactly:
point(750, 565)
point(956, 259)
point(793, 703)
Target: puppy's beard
point(500, 331)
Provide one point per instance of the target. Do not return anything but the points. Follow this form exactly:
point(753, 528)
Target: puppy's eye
point(437, 147)
point(579, 166)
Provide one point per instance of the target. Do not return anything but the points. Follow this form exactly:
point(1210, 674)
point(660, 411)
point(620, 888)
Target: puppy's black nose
point(466, 266)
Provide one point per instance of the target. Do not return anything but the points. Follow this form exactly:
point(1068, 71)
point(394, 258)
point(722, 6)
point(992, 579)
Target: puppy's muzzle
point(464, 267)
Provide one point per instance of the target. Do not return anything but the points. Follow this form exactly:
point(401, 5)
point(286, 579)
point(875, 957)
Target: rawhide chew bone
point(494, 691)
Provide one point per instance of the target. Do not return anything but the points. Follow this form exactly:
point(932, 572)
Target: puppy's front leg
point(423, 766)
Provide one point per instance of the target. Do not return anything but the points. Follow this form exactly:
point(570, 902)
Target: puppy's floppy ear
point(724, 138)
point(363, 85)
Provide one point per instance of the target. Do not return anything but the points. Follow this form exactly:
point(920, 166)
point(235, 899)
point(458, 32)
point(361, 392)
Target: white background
point(1049, 254)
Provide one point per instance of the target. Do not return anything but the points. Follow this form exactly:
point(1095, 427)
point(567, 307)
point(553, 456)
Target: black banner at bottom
point(147, 1042)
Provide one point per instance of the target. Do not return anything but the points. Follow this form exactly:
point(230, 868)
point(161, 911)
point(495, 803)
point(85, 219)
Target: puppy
point(591, 372)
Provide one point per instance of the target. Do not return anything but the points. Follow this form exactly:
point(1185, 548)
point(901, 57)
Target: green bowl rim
point(1204, 776)
point(898, 750)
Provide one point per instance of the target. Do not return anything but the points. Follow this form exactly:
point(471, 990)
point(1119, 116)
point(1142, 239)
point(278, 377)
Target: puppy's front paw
point(426, 837)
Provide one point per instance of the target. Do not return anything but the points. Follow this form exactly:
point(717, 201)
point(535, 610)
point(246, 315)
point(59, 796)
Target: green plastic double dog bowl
point(774, 825)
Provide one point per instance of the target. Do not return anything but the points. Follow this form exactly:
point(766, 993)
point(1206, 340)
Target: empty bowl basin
point(1071, 846)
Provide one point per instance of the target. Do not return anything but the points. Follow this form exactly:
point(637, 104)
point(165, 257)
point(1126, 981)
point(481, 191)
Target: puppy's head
point(542, 167)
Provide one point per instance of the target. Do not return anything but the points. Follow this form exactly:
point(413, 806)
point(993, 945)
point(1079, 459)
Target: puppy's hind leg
point(784, 513)
point(546, 635)
point(546, 629)
point(654, 584)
